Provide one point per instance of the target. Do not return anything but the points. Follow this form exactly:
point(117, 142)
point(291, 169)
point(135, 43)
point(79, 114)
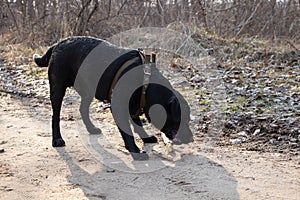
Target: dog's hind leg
point(84, 111)
point(138, 128)
point(57, 94)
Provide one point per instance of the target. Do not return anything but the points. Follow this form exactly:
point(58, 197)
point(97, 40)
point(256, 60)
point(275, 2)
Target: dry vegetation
point(252, 45)
point(50, 20)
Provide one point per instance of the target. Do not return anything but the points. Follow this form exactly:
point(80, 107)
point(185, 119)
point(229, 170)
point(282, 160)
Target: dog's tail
point(43, 61)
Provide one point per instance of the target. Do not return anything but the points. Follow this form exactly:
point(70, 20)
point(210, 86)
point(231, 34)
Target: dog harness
point(146, 61)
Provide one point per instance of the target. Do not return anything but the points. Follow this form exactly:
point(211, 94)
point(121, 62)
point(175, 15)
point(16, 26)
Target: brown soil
point(30, 168)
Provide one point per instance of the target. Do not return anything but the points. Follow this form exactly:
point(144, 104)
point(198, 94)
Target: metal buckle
point(147, 70)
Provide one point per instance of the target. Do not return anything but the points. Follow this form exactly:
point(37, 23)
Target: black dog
point(91, 66)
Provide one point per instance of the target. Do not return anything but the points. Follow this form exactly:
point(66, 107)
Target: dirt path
point(31, 169)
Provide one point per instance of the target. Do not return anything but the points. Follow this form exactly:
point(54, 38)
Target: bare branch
point(249, 19)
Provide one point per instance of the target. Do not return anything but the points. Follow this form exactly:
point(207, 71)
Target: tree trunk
point(203, 15)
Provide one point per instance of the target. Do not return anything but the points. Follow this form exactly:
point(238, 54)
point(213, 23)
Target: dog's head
point(177, 127)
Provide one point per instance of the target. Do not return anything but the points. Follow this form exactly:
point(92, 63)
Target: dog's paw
point(94, 131)
point(151, 139)
point(59, 142)
point(140, 156)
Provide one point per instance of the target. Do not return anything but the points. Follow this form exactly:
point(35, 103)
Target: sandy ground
point(30, 168)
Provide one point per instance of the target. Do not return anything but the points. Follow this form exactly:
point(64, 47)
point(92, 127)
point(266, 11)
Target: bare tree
point(51, 20)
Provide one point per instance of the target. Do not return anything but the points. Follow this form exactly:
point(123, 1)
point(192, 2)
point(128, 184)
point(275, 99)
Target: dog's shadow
point(108, 149)
point(192, 177)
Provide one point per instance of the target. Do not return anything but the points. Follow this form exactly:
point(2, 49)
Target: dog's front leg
point(120, 111)
point(130, 145)
point(138, 128)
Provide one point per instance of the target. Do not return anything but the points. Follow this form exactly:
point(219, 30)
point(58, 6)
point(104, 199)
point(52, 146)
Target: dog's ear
point(173, 108)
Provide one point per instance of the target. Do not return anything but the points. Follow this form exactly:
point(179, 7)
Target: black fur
point(64, 60)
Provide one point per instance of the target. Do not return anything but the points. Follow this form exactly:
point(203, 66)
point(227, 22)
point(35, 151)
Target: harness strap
point(147, 74)
point(118, 74)
point(146, 80)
